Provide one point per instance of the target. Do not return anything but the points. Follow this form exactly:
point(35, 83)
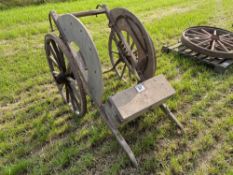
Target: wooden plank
point(200, 57)
point(181, 48)
point(187, 51)
point(216, 61)
point(227, 63)
point(175, 46)
point(219, 64)
point(134, 101)
point(194, 54)
point(167, 49)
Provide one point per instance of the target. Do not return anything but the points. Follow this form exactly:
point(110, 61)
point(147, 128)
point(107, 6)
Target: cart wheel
point(210, 41)
point(139, 43)
point(70, 88)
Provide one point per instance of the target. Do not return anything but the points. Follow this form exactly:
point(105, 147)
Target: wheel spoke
point(54, 50)
point(55, 58)
point(202, 34)
point(130, 75)
point(225, 35)
point(194, 35)
point(75, 103)
point(207, 33)
point(199, 38)
point(230, 38)
point(60, 87)
point(74, 86)
point(132, 45)
point(213, 45)
point(117, 62)
point(128, 38)
point(220, 43)
point(62, 60)
point(60, 57)
point(207, 46)
point(75, 96)
point(123, 71)
point(68, 70)
point(67, 89)
point(54, 61)
point(114, 38)
point(227, 40)
point(203, 42)
point(115, 52)
point(55, 73)
point(215, 32)
point(134, 51)
point(228, 45)
point(73, 100)
point(196, 38)
point(53, 53)
point(78, 94)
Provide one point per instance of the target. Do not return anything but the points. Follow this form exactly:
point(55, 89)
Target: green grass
point(39, 134)
point(6, 4)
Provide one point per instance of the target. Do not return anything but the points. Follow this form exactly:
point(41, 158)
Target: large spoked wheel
point(70, 88)
point(210, 41)
point(139, 43)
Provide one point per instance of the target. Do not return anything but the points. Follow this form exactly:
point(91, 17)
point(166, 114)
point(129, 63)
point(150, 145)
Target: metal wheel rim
point(210, 41)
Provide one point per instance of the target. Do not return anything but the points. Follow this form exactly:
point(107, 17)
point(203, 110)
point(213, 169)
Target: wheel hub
point(125, 52)
point(61, 78)
point(215, 37)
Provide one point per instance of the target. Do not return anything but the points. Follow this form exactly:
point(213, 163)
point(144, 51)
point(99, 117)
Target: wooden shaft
point(89, 13)
point(171, 116)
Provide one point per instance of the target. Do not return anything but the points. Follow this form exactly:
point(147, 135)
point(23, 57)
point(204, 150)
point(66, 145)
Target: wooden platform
point(134, 101)
point(219, 65)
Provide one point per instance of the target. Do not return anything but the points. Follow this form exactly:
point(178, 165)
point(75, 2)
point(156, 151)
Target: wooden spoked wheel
point(139, 44)
point(70, 88)
point(210, 41)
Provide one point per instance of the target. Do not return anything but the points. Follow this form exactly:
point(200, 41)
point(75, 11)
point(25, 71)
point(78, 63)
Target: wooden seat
point(131, 103)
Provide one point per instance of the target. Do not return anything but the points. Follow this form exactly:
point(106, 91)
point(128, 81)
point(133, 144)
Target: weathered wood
point(219, 65)
point(84, 52)
point(134, 101)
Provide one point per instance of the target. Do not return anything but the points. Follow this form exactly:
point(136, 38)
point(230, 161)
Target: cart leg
point(165, 108)
point(125, 146)
point(120, 139)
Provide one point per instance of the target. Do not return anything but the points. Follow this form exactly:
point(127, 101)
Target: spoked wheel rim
point(139, 43)
point(70, 88)
point(210, 41)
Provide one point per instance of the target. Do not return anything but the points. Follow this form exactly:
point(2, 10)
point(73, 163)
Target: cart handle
point(89, 13)
point(100, 9)
point(52, 16)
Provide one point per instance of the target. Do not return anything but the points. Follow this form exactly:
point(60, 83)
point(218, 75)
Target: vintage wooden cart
point(76, 68)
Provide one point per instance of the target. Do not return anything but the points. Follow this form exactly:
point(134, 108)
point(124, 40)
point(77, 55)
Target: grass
point(5, 4)
point(39, 134)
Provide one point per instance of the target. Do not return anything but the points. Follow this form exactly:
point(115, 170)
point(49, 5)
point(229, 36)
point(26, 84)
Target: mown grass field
point(40, 135)
point(6, 4)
